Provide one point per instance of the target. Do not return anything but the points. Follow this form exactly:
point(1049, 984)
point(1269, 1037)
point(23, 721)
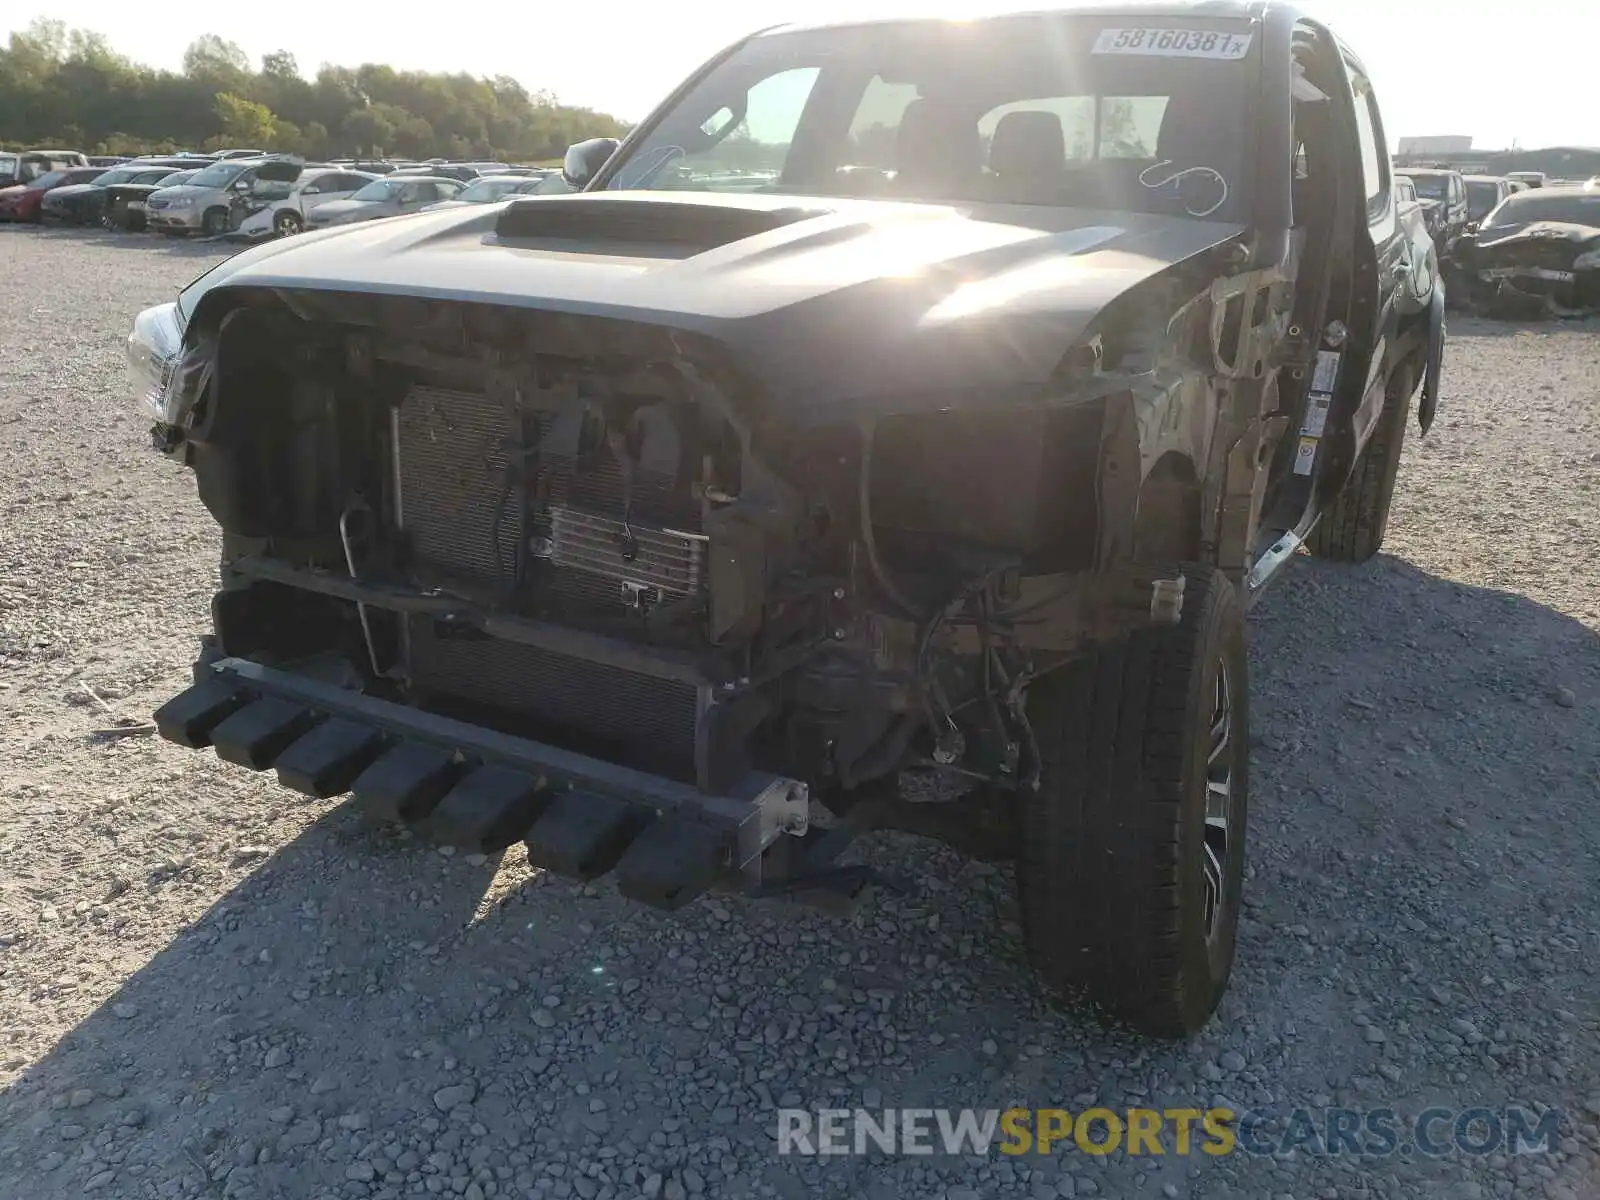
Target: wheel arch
point(1167, 512)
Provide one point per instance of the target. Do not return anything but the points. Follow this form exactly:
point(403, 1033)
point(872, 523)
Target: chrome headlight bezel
point(154, 347)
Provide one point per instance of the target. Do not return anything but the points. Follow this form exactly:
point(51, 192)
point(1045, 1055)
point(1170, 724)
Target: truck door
point(1375, 314)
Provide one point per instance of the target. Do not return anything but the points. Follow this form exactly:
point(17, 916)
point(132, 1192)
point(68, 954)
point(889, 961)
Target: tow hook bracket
point(190, 716)
point(326, 761)
point(583, 834)
point(255, 735)
point(406, 783)
point(487, 810)
point(671, 863)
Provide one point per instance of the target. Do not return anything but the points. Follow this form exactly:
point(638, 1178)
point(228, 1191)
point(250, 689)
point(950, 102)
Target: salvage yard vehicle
point(25, 166)
point(391, 196)
point(1420, 276)
point(666, 528)
point(489, 189)
point(85, 203)
point(1485, 193)
point(204, 204)
point(25, 201)
point(125, 202)
point(1443, 194)
point(283, 209)
point(1539, 252)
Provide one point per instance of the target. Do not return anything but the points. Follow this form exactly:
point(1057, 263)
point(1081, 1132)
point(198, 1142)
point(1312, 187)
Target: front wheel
point(215, 222)
point(1132, 854)
point(287, 223)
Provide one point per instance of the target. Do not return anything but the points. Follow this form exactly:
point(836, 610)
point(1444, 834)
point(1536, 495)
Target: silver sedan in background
point(388, 197)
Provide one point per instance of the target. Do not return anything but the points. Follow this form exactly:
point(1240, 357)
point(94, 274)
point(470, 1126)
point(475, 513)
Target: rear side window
point(1369, 131)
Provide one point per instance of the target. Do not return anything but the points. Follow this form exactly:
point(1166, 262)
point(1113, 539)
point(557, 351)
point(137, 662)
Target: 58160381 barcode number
point(1174, 43)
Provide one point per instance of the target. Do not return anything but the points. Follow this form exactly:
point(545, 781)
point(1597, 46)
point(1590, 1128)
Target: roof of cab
point(1243, 10)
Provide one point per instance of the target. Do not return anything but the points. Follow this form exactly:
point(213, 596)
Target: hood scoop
point(645, 222)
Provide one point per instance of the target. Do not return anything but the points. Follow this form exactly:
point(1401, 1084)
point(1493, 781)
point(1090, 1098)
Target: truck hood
point(827, 302)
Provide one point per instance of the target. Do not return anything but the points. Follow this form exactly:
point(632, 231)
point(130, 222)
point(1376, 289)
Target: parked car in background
point(1539, 251)
point(25, 166)
point(461, 172)
point(489, 189)
point(553, 184)
point(23, 201)
point(203, 205)
point(221, 154)
point(286, 213)
point(107, 160)
point(1485, 193)
point(125, 202)
point(84, 203)
point(392, 196)
point(1420, 256)
point(1531, 179)
point(1443, 194)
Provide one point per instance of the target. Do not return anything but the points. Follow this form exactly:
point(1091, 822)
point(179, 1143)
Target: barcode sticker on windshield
point(1174, 43)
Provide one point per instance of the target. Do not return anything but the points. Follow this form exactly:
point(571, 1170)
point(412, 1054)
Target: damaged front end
point(521, 574)
point(1543, 269)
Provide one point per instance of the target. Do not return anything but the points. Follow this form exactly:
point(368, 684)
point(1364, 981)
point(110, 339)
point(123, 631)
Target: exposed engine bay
point(587, 531)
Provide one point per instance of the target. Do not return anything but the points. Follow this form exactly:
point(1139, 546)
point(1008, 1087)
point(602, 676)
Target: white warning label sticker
point(1316, 415)
point(1306, 456)
point(1322, 379)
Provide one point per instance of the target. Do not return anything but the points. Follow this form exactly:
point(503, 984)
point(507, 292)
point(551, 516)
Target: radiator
point(452, 456)
point(465, 518)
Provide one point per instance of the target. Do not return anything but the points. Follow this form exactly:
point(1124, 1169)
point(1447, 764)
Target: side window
point(730, 151)
point(876, 125)
point(1075, 113)
point(1369, 131)
point(1130, 126)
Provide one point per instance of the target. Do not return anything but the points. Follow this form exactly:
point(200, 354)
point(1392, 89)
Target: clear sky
point(1511, 69)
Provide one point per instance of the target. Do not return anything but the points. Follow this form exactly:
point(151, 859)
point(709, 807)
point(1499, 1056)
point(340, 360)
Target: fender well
point(1166, 524)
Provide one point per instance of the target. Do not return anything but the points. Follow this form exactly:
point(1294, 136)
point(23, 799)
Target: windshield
point(1481, 199)
point(486, 190)
point(1038, 109)
point(1574, 208)
point(380, 189)
point(178, 177)
point(218, 175)
point(1431, 187)
point(50, 179)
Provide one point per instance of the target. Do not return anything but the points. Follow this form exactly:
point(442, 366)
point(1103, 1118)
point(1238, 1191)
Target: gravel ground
point(210, 987)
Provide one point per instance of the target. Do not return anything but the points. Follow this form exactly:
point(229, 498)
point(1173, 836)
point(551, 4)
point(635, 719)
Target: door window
point(1369, 132)
point(728, 150)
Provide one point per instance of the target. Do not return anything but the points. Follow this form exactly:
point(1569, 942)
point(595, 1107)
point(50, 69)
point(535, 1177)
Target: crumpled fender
point(1435, 364)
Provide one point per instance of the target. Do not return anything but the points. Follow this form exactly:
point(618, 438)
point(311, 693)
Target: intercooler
point(464, 475)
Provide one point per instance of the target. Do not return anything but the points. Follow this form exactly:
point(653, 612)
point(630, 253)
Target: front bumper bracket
point(467, 785)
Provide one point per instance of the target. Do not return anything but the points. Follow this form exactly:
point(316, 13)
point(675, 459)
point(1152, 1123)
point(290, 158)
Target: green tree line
point(67, 88)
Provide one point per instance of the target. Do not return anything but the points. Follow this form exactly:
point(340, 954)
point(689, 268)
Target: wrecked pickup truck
point(904, 398)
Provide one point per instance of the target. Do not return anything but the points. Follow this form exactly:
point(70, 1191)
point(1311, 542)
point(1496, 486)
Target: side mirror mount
point(584, 160)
